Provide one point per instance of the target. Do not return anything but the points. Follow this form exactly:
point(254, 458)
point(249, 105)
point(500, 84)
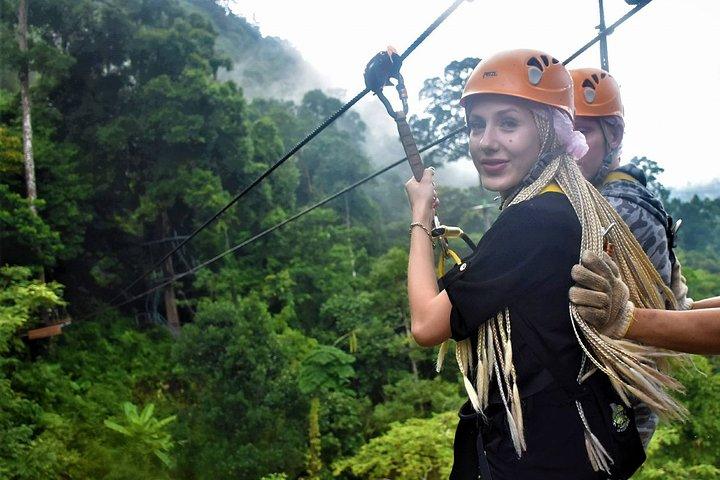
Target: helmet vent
point(595, 77)
point(545, 60)
point(555, 60)
point(534, 62)
point(534, 75)
point(589, 94)
point(588, 84)
point(535, 70)
point(603, 75)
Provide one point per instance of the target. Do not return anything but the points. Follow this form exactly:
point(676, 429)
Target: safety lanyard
point(380, 70)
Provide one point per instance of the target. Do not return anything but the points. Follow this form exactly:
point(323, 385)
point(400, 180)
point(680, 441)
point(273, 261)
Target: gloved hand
point(601, 297)
point(678, 285)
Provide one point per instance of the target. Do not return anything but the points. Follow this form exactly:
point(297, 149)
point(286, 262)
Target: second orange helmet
point(597, 94)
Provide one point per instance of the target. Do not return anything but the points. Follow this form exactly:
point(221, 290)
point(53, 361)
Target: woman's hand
point(423, 198)
point(600, 295)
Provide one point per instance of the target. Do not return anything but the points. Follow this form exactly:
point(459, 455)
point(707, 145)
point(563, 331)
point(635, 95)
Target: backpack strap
point(616, 176)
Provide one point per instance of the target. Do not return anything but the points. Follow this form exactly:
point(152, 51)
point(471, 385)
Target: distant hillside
point(263, 66)
point(705, 190)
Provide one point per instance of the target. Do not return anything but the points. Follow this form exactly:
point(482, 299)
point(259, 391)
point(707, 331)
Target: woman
point(536, 409)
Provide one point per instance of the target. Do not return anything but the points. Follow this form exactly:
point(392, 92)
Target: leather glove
point(678, 285)
point(601, 297)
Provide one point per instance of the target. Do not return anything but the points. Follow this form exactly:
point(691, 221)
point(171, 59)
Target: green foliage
point(239, 393)
point(145, 433)
point(53, 408)
point(325, 369)
point(652, 169)
point(416, 448)
point(33, 442)
point(343, 423)
point(415, 398)
point(701, 283)
point(138, 139)
point(21, 298)
point(689, 450)
point(701, 228)
point(444, 113)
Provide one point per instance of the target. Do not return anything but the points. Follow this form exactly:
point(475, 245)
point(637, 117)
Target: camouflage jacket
point(645, 214)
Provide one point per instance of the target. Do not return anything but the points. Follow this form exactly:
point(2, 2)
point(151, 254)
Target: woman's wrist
point(423, 217)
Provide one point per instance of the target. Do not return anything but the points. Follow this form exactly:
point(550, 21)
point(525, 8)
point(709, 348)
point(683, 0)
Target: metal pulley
point(380, 70)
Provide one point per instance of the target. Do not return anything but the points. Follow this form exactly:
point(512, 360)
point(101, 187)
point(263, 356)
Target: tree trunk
point(314, 462)
point(24, 76)
point(171, 312)
point(28, 159)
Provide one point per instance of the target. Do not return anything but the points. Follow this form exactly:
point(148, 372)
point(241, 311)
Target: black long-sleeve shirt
point(523, 262)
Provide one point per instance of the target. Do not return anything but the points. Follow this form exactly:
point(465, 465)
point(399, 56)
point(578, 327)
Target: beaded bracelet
point(425, 229)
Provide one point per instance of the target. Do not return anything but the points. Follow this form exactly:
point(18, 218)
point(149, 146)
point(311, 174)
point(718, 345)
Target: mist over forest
point(291, 357)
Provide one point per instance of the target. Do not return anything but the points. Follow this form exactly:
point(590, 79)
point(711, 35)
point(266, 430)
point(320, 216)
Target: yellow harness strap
point(552, 187)
point(441, 261)
point(618, 176)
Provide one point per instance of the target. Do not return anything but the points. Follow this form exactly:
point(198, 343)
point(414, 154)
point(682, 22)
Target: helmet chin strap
point(607, 161)
point(604, 169)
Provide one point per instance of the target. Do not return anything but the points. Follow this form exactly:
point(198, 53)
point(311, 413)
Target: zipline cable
point(329, 120)
point(269, 230)
point(608, 31)
point(430, 29)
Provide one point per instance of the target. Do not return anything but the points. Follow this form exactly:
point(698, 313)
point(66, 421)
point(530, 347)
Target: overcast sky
point(666, 57)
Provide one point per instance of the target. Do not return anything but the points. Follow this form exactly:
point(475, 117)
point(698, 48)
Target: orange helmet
point(529, 74)
point(597, 94)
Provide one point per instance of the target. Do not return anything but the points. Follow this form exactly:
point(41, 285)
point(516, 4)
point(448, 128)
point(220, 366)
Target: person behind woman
point(546, 391)
point(599, 116)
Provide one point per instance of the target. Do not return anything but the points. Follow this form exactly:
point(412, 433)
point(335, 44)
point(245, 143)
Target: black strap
point(474, 421)
point(483, 465)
